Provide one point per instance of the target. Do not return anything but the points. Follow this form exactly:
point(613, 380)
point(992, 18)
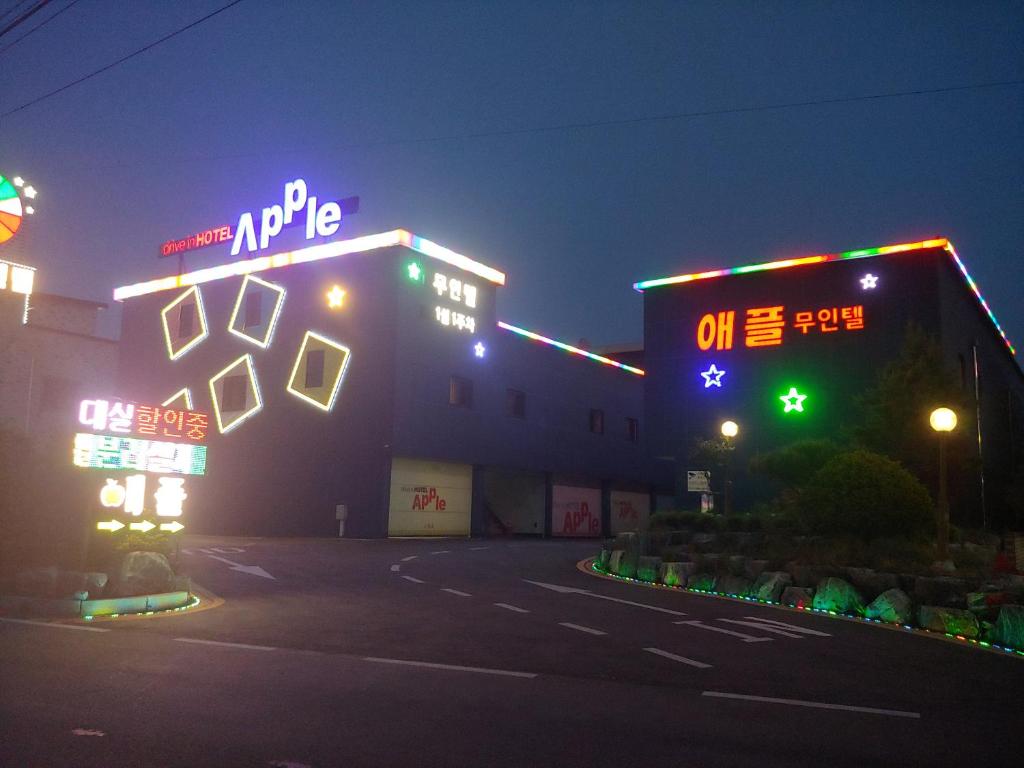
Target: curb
point(587, 566)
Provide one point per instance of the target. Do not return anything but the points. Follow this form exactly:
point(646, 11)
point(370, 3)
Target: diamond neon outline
point(336, 387)
point(202, 323)
point(247, 359)
point(269, 335)
point(183, 391)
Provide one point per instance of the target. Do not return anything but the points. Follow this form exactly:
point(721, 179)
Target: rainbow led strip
point(569, 348)
point(314, 253)
point(859, 254)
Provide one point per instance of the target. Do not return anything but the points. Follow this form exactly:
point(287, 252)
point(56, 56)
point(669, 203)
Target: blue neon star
point(712, 377)
point(480, 349)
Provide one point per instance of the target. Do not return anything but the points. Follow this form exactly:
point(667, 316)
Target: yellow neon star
point(335, 297)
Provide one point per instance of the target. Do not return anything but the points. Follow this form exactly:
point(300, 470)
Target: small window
point(597, 421)
point(233, 396)
point(185, 324)
point(314, 368)
point(253, 309)
point(517, 403)
point(633, 430)
point(460, 392)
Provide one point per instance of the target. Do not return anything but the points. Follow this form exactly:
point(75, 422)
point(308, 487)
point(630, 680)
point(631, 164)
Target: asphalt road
point(454, 653)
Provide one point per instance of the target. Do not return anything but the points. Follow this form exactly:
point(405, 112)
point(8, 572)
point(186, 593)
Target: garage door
point(429, 498)
point(630, 511)
point(514, 501)
point(575, 511)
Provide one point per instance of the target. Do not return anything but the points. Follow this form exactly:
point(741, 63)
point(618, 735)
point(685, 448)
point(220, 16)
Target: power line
point(123, 59)
point(38, 26)
point(12, 9)
point(24, 17)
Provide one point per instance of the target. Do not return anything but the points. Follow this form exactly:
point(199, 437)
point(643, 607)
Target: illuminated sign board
point(765, 326)
point(457, 296)
point(149, 421)
point(212, 236)
point(130, 453)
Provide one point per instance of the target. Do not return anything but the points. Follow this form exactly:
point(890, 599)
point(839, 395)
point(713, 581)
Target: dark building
point(367, 384)
point(787, 349)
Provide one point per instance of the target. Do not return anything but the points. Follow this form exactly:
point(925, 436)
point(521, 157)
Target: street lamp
point(729, 431)
point(943, 421)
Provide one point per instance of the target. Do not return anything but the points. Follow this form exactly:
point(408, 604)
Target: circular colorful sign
point(10, 210)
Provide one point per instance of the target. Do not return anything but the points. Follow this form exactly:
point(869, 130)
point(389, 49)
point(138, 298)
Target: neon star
point(335, 297)
point(794, 401)
point(479, 349)
point(869, 281)
point(712, 377)
point(415, 273)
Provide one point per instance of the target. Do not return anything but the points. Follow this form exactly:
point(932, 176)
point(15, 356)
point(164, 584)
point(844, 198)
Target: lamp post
point(943, 421)
point(729, 431)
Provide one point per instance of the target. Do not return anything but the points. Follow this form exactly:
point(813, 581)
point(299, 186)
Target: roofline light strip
point(313, 253)
point(569, 348)
point(974, 289)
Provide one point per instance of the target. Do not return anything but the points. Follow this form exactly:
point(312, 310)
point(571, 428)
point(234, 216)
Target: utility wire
point(37, 26)
point(24, 17)
point(123, 59)
point(12, 9)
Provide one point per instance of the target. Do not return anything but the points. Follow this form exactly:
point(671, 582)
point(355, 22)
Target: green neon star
point(415, 273)
point(793, 401)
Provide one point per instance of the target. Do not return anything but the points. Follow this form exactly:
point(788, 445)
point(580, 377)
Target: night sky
point(405, 104)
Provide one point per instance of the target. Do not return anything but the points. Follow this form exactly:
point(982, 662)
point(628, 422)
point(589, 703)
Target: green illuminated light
point(793, 401)
point(415, 272)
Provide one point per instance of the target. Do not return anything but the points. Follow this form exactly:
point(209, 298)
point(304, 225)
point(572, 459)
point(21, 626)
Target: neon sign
point(146, 420)
point(763, 326)
point(212, 236)
point(869, 281)
point(129, 453)
point(713, 377)
point(793, 401)
point(455, 290)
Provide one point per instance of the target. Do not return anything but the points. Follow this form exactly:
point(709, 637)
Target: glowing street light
point(729, 430)
point(943, 421)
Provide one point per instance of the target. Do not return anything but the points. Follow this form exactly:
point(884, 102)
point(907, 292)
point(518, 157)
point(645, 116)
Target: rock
point(954, 621)
point(615, 560)
point(940, 590)
point(803, 575)
point(602, 559)
point(834, 594)
point(69, 582)
point(675, 574)
point(181, 584)
point(625, 565)
point(733, 585)
point(628, 540)
point(985, 605)
point(893, 605)
point(704, 582)
point(704, 541)
point(95, 582)
point(143, 573)
point(754, 568)
point(648, 568)
point(798, 597)
point(80, 595)
point(736, 564)
point(711, 562)
point(769, 585)
point(944, 566)
point(37, 582)
point(869, 583)
point(1009, 627)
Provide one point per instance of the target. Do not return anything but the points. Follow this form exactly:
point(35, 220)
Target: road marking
point(186, 551)
point(288, 764)
point(813, 704)
point(441, 552)
point(508, 607)
point(451, 667)
point(396, 568)
point(477, 549)
point(680, 659)
point(87, 732)
point(764, 628)
point(245, 646)
point(455, 592)
point(577, 591)
point(581, 628)
point(791, 627)
point(410, 557)
point(413, 579)
point(746, 638)
point(52, 624)
point(253, 570)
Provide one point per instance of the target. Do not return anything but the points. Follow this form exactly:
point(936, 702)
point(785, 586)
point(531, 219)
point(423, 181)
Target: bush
point(866, 495)
point(793, 465)
point(674, 520)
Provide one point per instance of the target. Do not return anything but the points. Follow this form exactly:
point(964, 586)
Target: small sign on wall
point(575, 511)
point(698, 480)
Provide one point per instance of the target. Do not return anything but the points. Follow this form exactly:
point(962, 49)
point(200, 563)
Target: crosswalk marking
point(745, 638)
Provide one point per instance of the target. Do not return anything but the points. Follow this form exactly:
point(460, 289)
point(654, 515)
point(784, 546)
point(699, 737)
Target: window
point(185, 325)
point(253, 309)
point(516, 403)
point(633, 430)
point(597, 421)
point(460, 392)
point(234, 393)
point(314, 368)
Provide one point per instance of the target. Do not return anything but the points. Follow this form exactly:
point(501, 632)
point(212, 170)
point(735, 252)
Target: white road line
point(764, 628)
point(791, 627)
point(577, 591)
point(396, 568)
point(680, 659)
point(451, 667)
point(441, 552)
point(508, 607)
point(581, 628)
point(244, 646)
point(746, 638)
point(477, 549)
point(813, 704)
point(410, 557)
point(455, 592)
point(413, 579)
point(52, 624)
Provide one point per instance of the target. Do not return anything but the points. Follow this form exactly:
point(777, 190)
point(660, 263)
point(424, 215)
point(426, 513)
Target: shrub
point(866, 495)
point(674, 520)
point(795, 464)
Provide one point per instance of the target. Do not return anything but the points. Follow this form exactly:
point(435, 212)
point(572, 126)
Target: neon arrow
point(111, 525)
point(172, 527)
point(144, 526)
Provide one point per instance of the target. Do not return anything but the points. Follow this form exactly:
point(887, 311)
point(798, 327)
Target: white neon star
point(414, 271)
point(479, 349)
point(869, 281)
point(794, 401)
point(335, 297)
point(712, 377)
